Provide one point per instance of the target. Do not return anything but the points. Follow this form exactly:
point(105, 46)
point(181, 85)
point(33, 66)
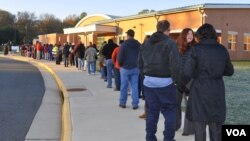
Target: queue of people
point(161, 71)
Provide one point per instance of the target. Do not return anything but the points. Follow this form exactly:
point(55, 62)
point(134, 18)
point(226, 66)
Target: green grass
point(238, 94)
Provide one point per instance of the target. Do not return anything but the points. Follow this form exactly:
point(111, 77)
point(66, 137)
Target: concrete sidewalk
point(95, 112)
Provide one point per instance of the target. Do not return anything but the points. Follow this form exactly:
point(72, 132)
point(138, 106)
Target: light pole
point(203, 15)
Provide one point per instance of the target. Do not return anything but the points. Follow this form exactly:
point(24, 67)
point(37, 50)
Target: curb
point(66, 118)
point(66, 133)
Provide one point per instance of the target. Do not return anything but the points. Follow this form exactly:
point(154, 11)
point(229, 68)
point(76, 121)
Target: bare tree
point(70, 21)
point(50, 24)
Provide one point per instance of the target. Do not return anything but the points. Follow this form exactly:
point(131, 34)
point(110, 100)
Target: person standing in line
point(140, 85)
point(159, 62)
point(50, 47)
point(185, 42)
point(80, 51)
point(45, 50)
point(208, 63)
point(90, 56)
point(117, 67)
point(127, 56)
point(66, 54)
point(107, 52)
point(102, 62)
point(39, 51)
point(55, 52)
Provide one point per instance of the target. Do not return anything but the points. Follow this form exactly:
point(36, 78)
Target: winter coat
point(90, 54)
point(208, 63)
point(115, 58)
point(128, 54)
point(159, 57)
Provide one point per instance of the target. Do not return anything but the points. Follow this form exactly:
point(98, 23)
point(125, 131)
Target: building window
point(232, 38)
point(247, 41)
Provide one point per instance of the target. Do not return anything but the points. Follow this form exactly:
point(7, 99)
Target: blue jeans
point(91, 67)
point(160, 100)
point(110, 68)
point(129, 76)
point(80, 63)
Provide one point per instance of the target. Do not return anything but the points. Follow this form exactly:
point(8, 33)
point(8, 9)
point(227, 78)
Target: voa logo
point(236, 132)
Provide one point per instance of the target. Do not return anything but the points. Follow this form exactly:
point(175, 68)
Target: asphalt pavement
point(21, 92)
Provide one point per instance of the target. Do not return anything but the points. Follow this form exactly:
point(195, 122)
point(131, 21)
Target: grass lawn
point(238, 94)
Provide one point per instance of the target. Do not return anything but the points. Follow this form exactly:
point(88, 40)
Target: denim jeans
point(110, 68)
point(91, 67)
point(117, 78)
point(129, 76)
point(80, 63)
point(160, 100)
point(66, 61)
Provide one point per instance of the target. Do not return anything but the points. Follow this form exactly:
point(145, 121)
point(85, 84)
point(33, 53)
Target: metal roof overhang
point(91, 28)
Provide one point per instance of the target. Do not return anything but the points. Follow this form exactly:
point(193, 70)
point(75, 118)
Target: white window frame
point(247, 43)
point(232, 33)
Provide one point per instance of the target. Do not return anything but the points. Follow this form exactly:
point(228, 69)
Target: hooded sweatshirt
point(128, 54)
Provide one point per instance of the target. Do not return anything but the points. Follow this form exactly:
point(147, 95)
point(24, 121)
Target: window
point(247, 41)
point(232, 38)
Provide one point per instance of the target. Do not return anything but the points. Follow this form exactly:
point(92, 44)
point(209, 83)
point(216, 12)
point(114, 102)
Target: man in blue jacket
point(127, 58)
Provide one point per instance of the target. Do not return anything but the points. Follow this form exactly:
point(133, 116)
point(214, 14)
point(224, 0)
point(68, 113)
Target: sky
point(63, 8)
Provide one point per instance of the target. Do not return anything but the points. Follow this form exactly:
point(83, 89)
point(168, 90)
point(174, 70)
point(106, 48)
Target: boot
point(143, 116)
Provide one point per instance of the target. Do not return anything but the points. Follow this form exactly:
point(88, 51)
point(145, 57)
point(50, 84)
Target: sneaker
point(136, 107)
point(109, 86)
point(143, 116)
point(122, 106)
point(115, 89)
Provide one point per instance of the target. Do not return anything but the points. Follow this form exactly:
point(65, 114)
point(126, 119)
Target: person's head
point(206, 31)
point(120, 42)
point(186, 39)
point(146, 38)
point(110, 41)
point(164, 27)
point(130, 33)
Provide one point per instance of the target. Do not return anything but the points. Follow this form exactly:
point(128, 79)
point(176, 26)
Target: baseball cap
point(131, 32)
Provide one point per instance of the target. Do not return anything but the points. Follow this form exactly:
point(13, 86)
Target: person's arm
point(174, 59)
point(121, 55)
point(229, 69)
point(140, 61)
point(190, 65)
point(114, 55)
point(104, 51)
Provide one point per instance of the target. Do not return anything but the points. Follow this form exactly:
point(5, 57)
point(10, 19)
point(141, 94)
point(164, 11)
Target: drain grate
point(76, 89)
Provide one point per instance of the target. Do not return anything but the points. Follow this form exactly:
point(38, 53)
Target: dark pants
point(140, 86)
point(66, 61)
point(105, 73)
point(117, 78)
point(214, 131)
point(76, 61)
point(160, 100)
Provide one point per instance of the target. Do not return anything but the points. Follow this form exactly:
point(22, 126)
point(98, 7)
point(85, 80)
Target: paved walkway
point(95, 112)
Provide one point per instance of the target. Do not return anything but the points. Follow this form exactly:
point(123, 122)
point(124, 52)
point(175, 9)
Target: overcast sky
point(63, 8)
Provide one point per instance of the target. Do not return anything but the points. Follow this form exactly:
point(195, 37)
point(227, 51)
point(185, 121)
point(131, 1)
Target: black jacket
point(108, 50)
point(159, 57)
point(80, 51)
point(208, 63)
point(66, 50)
